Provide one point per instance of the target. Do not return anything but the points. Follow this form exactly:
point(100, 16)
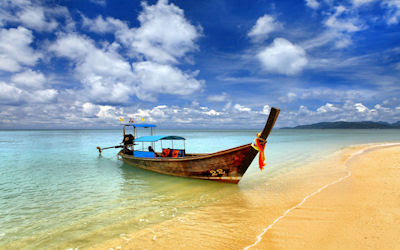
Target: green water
point(57, 192)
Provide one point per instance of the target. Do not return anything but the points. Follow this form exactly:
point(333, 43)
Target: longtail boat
point(223, 166)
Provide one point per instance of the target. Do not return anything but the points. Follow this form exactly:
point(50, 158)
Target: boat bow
point(273, 115)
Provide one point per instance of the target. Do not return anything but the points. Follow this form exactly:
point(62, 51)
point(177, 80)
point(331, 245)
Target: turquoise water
point(57, 192)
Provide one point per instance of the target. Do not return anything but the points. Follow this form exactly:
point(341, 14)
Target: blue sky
point(197, 64)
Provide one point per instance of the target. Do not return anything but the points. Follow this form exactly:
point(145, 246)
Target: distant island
point(349, 125)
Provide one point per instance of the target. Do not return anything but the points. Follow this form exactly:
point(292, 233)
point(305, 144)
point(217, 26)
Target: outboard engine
point(128, 139)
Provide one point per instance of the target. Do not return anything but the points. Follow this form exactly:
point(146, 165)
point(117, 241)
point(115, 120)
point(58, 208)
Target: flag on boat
point(121, 119)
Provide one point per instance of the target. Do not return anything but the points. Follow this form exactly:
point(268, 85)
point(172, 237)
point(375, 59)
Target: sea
point(58, 192)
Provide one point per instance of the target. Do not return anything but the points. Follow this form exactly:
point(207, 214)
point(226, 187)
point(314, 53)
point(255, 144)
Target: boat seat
point(143, 154)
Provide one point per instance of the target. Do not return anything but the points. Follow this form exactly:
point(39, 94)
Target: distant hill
point(349, 125)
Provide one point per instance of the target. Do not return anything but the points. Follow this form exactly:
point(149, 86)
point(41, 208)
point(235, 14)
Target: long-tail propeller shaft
point(101, 149)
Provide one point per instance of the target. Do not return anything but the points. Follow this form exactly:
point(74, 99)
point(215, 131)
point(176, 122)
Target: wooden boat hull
point(222, 166)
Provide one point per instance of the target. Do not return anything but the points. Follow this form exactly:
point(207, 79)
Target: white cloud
point(313, 4)
point(109, 112)
point(328, 107)
point(102, 3)
point(347, 111)
point(15, 50)
point(343, 41)
point(29, 79)
point(71, 114)
point(283, 57)
point(266, 110)
point(334, 94)
point(288, 97)
point(358, 3)
point(393, 11)
point(13, 95)
point(241, 108)
point(72, 46)
point(320, 40)
point(341, 23)
point(160, 78)
point(212, 112)
point(9, 94)
point(163, 37)
point(195, 114)
point(379, 107)
point(42, 96)
point(335, 21)
point(106, 76)
point(34, 18)
point(263, 27)
point(90, 108)
point(107, 25)
point(32, 15)
point(115, 84)
point(105, 63)
point(217, 98)
point(164, 34)
point(103, 89)
point(103, 112)
point(360, 107)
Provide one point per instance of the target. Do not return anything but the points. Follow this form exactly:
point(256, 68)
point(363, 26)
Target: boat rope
point(259, 145)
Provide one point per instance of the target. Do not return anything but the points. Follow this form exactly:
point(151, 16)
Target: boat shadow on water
point(136, 178)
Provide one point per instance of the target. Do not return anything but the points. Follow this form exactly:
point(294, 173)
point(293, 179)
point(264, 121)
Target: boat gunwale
point(189, 158)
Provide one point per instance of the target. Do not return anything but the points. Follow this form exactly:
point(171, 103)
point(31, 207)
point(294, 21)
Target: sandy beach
point(349, 200)
point(360, 212)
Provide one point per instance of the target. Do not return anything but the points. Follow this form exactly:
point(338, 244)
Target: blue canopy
point(153, 138)
point(140, 125)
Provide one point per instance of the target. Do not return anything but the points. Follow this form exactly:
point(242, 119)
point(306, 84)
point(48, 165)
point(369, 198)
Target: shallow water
point(57, 192)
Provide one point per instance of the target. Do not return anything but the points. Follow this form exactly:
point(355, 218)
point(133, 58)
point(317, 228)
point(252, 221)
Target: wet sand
point(349, 200)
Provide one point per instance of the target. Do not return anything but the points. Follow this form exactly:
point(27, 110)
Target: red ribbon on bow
point(260, 146)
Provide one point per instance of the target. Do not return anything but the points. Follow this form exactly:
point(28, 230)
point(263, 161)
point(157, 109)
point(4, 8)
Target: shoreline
point(343, 178)
point(254, 218)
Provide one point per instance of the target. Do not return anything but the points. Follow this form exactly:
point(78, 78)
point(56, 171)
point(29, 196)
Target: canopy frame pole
point(152, 143)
